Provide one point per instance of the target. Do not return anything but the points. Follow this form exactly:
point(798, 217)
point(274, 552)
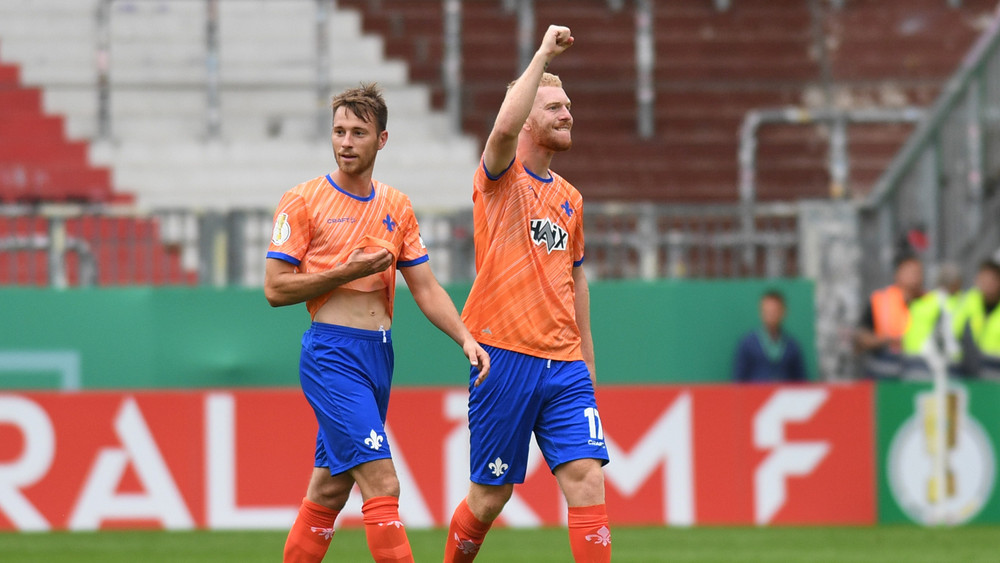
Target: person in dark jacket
point(769, 354)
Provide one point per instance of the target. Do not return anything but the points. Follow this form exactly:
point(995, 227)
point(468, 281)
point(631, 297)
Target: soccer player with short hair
point(337, 242)
point(530, 309)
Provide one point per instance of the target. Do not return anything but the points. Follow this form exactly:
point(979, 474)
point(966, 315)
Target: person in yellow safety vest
point(880, 333)
point(929, 330)
point(977, 324)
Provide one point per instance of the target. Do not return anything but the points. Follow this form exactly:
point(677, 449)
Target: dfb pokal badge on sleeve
point(282, 230)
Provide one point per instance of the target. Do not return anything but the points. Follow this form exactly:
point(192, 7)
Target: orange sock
point(386, 536)
point(311, 533)
point(465, 535)
point(589, 535)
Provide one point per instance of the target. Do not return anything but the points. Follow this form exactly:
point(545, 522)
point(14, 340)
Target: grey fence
point(943, 184)
point(64, 246)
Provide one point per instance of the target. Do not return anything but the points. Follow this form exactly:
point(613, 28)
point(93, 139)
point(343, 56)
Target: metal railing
point(838, 163)
point(723, 5)
point(450, 65)
point(651, 241)
point(63, 246)
point(942, 181)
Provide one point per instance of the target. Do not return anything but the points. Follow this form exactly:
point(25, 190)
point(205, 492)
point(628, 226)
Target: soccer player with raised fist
point(530, 309)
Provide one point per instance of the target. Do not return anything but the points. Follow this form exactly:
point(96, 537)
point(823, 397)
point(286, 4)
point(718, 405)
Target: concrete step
point(256, 114)
point(262, 154)
point(278, 49)
point(42, 26)
point(77, 8)
point(154, 35)
point(236, 126)
point(265, 100)
point(193, 73)
point(267, 9)
point(28, 50)
point(270, 112)
point(227, 175)
point(341, 24)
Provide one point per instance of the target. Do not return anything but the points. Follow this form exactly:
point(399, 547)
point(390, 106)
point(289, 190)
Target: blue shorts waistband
point(351, 332)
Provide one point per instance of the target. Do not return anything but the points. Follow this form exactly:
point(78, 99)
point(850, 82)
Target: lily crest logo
point(498, 467)
point(602, 537)
point(374, 441)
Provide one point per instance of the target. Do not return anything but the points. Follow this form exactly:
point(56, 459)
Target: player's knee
point(486, 502)
point(386, 486)
point(329, 493)
point(380, 486)
point(377, 479)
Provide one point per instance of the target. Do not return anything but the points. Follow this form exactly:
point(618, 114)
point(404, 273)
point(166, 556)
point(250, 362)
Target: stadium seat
point(712, 67)
point(37, 162)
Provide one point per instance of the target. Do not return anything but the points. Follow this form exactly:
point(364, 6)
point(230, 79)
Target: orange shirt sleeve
point(292, 230)
point(486, 183)
point(413, 251)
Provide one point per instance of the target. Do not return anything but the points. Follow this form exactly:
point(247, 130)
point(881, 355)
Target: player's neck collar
point(369, 197)
point(539, 178)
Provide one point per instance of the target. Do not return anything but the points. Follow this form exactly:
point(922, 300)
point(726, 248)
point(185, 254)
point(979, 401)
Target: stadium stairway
point(39, 165)
point(37, 162)
point(712, 67)
point(271, 117)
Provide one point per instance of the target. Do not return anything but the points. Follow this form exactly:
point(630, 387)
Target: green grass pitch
point(548, 545)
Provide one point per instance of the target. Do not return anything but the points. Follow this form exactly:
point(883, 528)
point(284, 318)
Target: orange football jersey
point(318, 225)
point(528, 237)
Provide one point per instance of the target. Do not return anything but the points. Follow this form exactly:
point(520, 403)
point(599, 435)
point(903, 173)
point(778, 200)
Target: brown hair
point(365, 102)
point(548, 79)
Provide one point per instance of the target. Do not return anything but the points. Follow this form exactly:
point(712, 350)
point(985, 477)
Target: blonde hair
point(548, 79)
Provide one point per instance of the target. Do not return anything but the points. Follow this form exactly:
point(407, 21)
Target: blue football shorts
point(525, 394)
point(345, 374)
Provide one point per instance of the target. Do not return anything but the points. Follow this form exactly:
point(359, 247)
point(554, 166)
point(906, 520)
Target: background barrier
point(834, 454)
point(708, 454)
point(204, 337)
point(905, 436)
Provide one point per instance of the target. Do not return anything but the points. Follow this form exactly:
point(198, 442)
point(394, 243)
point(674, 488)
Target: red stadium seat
point(712, 68)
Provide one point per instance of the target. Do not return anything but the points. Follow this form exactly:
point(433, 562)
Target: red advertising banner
point(241, 458)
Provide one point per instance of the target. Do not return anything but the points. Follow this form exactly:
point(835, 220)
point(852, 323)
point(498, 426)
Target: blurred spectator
point(929, 331)
point(880, 333)
point(769, 353)
point(977, 324)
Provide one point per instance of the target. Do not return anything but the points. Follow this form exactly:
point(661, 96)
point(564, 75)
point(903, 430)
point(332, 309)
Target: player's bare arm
point(437, 306)
point(581, 304)
point(284, 285)
point(502, 142)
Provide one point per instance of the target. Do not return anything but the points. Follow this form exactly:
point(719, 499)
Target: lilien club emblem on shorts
point(374, 441)
point(498, 467)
